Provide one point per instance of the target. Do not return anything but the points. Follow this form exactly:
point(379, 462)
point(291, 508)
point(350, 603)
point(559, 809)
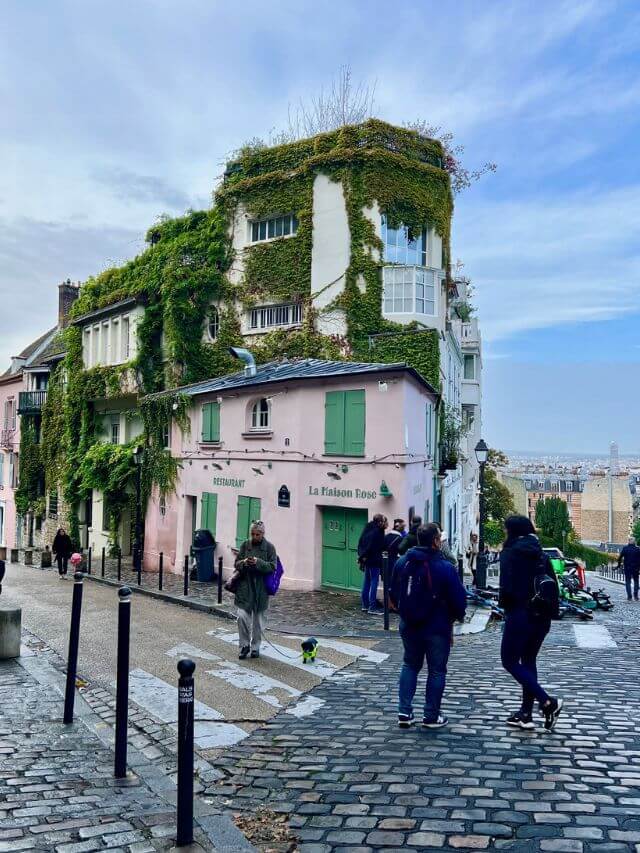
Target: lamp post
point(138, 459)
point(482, 454)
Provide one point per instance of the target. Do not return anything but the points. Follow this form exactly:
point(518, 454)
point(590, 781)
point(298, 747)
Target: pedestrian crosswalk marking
point(160, 699)
point(305, 707)
point(243, 677)
point(593, 637)
point(283, 654)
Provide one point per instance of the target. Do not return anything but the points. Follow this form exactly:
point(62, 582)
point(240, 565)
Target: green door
point(248, 511)
point(209, 512)
point(341, 529)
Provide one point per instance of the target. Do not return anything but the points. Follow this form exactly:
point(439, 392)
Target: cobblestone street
point(352, 781)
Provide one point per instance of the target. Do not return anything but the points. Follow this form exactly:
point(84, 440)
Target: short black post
point(89, 554)
point(186, 574)
point(103, 560)
point(461, 569)
point(219, 580)
point(119, 564)
point(385, 588)
point(122, 681)
point(160, 568)
point(74, 639)
point(139, 569)
point(186, 669)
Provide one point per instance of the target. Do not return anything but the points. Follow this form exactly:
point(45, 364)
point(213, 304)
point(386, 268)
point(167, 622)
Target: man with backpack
point(529, 596)
point(427, 593)
point(630, 559)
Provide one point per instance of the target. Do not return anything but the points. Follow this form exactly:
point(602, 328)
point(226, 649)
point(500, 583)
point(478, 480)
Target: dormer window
point(272, 228)
point(261, 415)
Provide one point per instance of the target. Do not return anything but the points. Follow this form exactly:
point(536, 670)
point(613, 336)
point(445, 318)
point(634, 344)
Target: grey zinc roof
point(28, 352)
point(283, 371)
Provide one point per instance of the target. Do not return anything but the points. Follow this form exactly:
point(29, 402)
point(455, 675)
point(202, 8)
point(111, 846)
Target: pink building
point(11, 383)
point(314, 449)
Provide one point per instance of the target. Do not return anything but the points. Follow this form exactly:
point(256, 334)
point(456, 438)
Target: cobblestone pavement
point(57, 791)
point(352, 781)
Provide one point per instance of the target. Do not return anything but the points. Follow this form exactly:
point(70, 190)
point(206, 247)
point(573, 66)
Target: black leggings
point(62, 564)
point(521, 641)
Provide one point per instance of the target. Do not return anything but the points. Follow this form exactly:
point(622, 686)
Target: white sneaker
point(435, 724)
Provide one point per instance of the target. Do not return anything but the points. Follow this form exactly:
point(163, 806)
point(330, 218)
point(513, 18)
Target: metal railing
point(31, 401)
point(611, 572)
point(7, 437)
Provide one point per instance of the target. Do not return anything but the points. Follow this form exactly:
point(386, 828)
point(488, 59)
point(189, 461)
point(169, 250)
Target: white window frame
point(258, 229)
point(95, 345)
point(125, 342)
point(86, 346)
point(405, 290)
point(114, 340)
point(1, 469)
point(569, 486)
point(275, 316)
point(114, 429)
point(429, 412)
point(213, 319)
point(472, 357)
point(260, 416)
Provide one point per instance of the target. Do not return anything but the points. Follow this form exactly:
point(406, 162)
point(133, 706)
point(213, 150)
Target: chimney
point(67, 295)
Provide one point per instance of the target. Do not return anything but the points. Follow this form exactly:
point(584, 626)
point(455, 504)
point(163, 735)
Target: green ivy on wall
point(185, 269)
point(30, 491)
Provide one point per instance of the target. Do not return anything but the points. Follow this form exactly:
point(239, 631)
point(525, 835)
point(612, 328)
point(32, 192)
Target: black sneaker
point(435, 724)
point(520, 721)
point(244, 652)
point(551, 712)
point(405, 721)
point(255, 653)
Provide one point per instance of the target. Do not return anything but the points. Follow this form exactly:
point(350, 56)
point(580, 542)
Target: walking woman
point(62, 549)
point(525, 626)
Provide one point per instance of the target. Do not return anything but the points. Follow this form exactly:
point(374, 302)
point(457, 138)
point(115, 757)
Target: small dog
point(309, 650)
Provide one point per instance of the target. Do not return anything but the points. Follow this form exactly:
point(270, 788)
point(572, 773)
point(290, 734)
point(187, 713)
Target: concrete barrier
point(10, 630)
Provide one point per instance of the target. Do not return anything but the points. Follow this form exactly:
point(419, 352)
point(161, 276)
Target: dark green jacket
point(251, 594)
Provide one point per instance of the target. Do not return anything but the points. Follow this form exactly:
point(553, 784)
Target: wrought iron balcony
point(31, 402)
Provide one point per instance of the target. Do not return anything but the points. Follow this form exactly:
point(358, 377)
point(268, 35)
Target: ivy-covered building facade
point(334, 248)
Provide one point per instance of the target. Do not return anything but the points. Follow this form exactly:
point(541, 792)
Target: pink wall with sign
point(250, 463)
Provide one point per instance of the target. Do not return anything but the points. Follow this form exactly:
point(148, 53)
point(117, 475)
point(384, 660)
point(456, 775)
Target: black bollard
point(103, 560)
point(186, 574)
point(74, 639)
point(385, 588)
point(461, 569)
point(160, 568)
point(89, 554)
point(119, 564)
point(139, 562)
point(219, 580)
point(122, 682)
point(186, 669)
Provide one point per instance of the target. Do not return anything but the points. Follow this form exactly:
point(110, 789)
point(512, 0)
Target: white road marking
point(242, 677)
point(594, 637)
point(305, 707)
point(161, 699)
point(350, 649)
point(283, 654)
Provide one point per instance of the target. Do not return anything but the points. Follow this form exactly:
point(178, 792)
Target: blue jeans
point(370, 588)
point(522, 639)
point(419, 644)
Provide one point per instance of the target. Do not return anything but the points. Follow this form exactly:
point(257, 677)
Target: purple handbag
point(272, 580)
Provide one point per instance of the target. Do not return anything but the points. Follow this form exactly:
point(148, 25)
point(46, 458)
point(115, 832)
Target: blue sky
point(114, 113)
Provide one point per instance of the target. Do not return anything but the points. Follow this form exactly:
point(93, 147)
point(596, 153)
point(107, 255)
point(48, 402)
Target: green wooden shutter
point(334, 422)
point(354, 423)
point(255, 508)
point(211, 422)
point(242, 522)
point(209, 512)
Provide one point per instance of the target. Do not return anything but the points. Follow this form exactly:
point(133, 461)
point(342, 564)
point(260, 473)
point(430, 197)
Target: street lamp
point(138, 459)
point(482, 454)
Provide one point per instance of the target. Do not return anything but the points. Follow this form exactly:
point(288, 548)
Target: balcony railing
point(31, 402)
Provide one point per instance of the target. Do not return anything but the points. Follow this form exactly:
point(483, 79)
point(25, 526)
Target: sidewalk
point(57, 791)
point(324, 613)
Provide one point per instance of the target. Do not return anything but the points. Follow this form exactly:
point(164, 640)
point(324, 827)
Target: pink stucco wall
point(294, 456)
point(9, 389)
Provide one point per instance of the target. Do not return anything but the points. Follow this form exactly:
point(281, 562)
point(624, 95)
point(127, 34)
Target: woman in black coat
point(521, 560)
point(62, 549)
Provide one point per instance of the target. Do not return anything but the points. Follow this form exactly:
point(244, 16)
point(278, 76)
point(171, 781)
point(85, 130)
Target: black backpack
point(412, 592)
point(546, 597)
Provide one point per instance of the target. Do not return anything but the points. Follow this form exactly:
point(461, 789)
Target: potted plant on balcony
point(451, 434)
